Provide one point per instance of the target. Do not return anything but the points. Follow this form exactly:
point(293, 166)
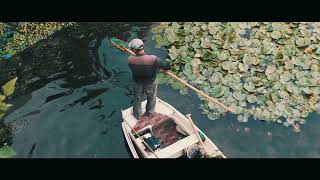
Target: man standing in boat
point(144, 70)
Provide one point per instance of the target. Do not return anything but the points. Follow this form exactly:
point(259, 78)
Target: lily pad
point(273, 67)
point(217, 91)
point(265, 114)
point(216, 77)
point(261, 99)
point(224, 55)
point(261, 90)
point(249, 87)
point(315, 67)
point(255, 61)
point(240, 118)
point(245, 118)
point(242, 67)
point(251, 98)
point(284, 95)
point(195, 63)
point(256, 111)
point(289, 65)
point(276, 34)
point(188, 69)
point(237, 86)
point(239, 96)
point(286, 76)
point(273, 77)
point(280, 106)
point(301, 42)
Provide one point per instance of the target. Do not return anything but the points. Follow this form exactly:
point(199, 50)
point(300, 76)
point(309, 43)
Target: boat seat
point(177, 146)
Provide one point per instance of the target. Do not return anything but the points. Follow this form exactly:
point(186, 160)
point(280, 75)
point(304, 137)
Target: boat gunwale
point(129, 141)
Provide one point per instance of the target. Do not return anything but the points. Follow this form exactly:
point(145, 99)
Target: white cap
point(136, 44)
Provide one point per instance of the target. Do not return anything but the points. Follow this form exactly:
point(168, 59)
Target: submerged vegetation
point(269, 71)
point(15, 37)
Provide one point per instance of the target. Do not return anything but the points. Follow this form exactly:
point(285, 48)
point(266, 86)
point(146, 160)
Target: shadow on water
point(72, 87)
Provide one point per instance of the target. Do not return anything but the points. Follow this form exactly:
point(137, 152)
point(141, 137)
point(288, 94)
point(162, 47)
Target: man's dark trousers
point(139, 89)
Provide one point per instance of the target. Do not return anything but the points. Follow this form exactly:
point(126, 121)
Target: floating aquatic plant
point(266, 70)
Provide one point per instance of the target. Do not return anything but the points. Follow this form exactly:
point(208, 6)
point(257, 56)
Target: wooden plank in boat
point(177, 146)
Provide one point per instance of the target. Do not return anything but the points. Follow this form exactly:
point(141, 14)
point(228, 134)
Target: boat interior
point(162, 127)
point(163, 133)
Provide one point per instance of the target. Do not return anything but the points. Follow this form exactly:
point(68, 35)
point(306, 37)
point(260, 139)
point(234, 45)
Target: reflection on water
point(71, 90)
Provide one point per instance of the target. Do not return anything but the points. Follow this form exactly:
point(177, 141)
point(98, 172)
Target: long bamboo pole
point(171, 74)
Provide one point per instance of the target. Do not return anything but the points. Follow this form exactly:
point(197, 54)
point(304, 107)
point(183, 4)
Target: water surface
point(72, 87)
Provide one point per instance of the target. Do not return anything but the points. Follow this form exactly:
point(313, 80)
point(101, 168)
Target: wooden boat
point(174, 132)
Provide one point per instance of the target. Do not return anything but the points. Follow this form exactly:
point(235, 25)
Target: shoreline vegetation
point(15, 37)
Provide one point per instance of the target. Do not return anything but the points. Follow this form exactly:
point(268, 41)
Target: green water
point(68, 104)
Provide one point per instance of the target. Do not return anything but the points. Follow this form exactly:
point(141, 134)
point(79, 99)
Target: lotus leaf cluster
point(265, 70)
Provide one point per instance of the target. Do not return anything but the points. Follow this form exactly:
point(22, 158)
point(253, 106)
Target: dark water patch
point(111, 114)
point(105, 132)
point(56, 96)
point(102, 117)
point(99, 105)
point(31, 113)
point(90, 94)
